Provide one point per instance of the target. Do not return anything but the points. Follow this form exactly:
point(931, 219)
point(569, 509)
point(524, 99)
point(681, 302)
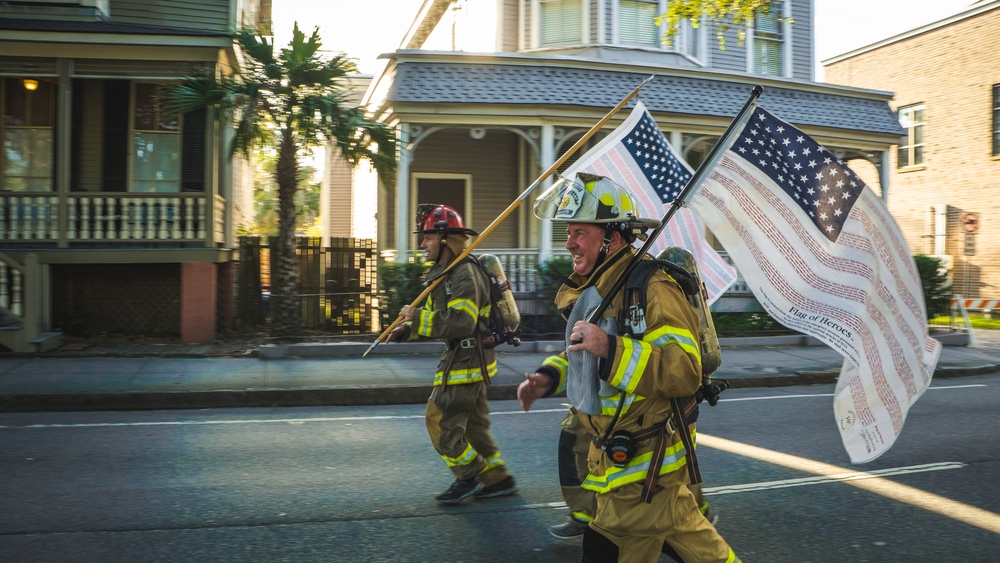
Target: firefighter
point(622, 388)
point(457, 312)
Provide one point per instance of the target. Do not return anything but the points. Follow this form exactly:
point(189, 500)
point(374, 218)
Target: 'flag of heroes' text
point(638, 156)
point(823, 256)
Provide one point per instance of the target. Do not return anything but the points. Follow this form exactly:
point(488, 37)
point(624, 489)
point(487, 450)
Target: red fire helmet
point(436, 218)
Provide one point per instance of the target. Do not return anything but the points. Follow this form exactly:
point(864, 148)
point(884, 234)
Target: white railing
point(104, 217)
point(520, 265)
point(521, 268)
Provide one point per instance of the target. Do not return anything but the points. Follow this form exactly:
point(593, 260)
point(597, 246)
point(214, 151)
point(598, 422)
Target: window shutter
point(114, 159)
point(193, 151)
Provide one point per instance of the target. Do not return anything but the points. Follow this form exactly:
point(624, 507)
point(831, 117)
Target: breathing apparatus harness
point(620, 445)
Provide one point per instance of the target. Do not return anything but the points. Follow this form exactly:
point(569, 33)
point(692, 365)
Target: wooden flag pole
point(696, 179)
point(510, 208)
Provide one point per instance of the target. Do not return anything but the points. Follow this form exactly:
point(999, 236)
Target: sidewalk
point(175, 377)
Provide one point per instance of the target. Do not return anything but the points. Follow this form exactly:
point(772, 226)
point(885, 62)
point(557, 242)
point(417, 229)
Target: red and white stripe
point(977, 304)
point(610, 158)
point(860, 295)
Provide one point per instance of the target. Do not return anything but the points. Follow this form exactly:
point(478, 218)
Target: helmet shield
point(589, 198)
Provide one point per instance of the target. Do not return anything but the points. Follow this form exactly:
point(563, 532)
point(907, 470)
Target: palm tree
point(292, 102)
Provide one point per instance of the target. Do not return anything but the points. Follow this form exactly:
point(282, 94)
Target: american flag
point(637, 156)
point(823, 256)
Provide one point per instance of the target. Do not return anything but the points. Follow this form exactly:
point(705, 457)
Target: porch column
point(403, 194)
point(63, 149)
point(199, 282)
point(676, 139)
point(883, 174)
point(226, 190)
point(548, 156)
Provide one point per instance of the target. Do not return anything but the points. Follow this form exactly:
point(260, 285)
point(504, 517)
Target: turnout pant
point(627, 530)
point(458, 422)
point(574, 443)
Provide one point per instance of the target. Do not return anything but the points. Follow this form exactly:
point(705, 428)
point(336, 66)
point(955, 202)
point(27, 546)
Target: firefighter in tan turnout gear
point(637, 462)
point(457, 312)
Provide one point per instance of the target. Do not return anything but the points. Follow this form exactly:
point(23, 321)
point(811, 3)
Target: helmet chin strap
point(605, 246)
point(443, 248)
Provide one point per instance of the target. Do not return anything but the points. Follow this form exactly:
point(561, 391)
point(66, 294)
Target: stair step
point(47, 341)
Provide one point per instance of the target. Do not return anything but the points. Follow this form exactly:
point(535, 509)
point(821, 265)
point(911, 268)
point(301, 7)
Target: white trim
point(601, 22)
point(786, 31)
point(521, 5)
point(536, 23)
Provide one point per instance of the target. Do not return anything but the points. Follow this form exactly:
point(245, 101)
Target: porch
point(40, 229)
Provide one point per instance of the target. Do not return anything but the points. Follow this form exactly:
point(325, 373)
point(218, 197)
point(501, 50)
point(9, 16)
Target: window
point(996, 120)
point(690, 39)
point(29, 110)
point(156, 142)
point(636, 23)
point(561, 22)
point(911, 147)
point(769, 41)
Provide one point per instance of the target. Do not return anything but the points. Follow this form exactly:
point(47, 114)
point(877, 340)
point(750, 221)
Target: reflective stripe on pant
point(639, 529)
point(574, 443)
point(458, 423)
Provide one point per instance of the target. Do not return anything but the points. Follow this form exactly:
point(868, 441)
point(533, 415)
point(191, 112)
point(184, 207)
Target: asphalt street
point(356, 483)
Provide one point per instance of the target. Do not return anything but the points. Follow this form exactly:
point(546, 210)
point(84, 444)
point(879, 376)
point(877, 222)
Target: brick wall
point(951, 70)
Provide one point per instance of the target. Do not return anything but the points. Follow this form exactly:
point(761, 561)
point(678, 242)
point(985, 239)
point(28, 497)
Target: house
point(114, 215)
point(487, 94)
point(945, 169)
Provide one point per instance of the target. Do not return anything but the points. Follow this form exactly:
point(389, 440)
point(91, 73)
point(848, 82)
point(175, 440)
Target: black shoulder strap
point(632, 318)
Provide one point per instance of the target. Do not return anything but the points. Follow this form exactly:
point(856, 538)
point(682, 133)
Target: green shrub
point(399, 284)
point(754, 323)
point(551, 274)
point(934, 280)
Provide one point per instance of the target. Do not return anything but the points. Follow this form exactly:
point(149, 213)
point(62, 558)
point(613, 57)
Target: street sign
point(970, 244)
point(970, 223)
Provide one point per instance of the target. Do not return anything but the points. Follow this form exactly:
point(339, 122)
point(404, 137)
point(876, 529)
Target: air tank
point(711, 352)
point(503, 296)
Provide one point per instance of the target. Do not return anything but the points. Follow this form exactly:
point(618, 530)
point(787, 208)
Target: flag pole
point(510, 208)
point(696, 179)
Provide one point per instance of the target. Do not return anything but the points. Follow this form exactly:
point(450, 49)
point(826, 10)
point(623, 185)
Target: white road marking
point(807, 396)
point(868, 481)
point(826, 479)
point(362, 418)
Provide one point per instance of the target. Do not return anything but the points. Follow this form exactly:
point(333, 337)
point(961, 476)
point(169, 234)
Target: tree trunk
point(286, 313)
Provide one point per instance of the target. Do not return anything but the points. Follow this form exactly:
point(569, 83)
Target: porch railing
point(521, 268)
point(102, 217)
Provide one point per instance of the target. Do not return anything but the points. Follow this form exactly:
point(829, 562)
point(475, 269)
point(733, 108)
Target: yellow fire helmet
point(590, 198)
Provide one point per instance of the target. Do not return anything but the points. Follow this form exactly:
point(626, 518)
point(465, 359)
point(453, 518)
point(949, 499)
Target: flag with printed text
point(638, 156)
point(822, 254)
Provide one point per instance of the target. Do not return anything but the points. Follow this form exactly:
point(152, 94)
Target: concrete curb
point(355, 349)
point(355, 396)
